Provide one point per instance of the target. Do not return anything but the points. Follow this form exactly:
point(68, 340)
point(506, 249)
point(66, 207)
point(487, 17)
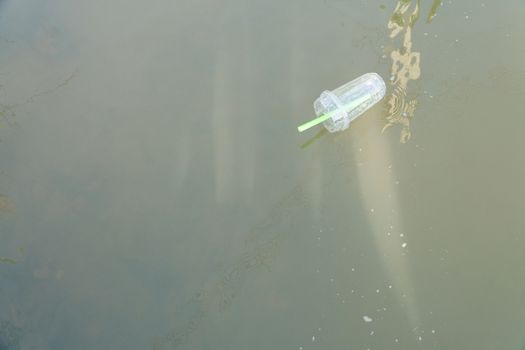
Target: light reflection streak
point(377, 176)
point(381, 201)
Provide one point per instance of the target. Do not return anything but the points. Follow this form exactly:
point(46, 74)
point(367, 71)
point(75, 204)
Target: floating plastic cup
point(337, 108)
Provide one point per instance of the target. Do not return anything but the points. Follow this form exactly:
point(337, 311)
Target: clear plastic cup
point(349, 101)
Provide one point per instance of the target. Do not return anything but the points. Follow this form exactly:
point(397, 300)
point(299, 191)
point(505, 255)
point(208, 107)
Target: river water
point(155, 193)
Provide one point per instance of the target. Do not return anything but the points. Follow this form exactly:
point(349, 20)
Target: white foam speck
point(404, 245)
point(367, 318)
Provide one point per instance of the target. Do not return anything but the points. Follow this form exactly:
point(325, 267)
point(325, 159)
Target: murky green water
point(155, 193)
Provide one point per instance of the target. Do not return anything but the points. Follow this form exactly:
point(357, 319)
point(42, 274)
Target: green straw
point(329, 115)
point(315, 121)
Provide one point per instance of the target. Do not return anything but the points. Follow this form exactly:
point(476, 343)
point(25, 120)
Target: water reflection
point(406, 64)
point(263, 241)
point(377, 176)
point(433, 10)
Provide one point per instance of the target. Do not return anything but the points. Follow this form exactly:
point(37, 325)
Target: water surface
point(155, 194)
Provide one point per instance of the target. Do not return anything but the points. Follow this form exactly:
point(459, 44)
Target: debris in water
point(338, 108)
point(367, 318)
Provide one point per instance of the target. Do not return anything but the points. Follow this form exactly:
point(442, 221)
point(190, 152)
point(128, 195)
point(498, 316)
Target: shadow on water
point(314, 138)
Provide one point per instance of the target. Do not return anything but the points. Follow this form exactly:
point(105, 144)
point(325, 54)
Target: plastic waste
point(336, 109)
